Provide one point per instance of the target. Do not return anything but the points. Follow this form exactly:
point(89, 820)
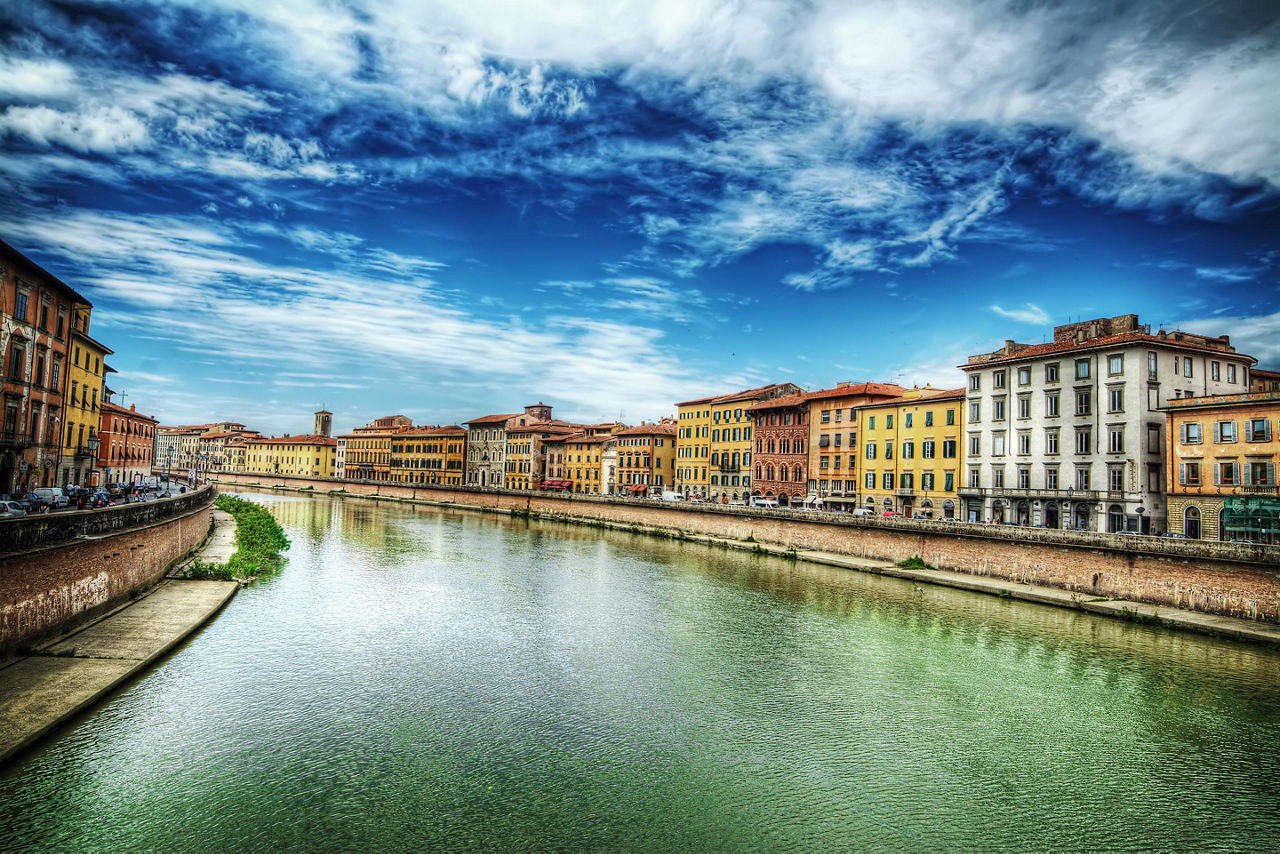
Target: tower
point(324, 423)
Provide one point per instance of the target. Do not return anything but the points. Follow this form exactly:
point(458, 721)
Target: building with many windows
point(289, 456)
point(487, 443)
point(780, 427)
point(911, 453)
point(35, 333)
point(1070, 434)
point(1222, 454)
point(714, 444)
point(127, 438)
point(646, 458)
point(87, 371)
point(526, 456)
point(833, 440)
point(429, 455)
point(368, 449)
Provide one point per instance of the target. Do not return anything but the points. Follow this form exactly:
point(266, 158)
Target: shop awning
point(639, 487)
point(558, 485)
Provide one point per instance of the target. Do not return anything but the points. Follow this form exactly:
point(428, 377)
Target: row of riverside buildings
point(1109, 427)
point(58, 423)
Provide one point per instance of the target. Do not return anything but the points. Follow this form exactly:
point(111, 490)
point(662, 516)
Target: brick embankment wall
point(62, 569)
point(1230, 579)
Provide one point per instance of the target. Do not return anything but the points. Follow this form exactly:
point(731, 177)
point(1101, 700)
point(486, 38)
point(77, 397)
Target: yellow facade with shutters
point(287, 456)
point(911, 453)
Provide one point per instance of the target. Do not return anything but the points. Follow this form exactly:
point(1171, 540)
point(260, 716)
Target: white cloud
point(99, 129)
point(1257, 335)
point(1030, 313)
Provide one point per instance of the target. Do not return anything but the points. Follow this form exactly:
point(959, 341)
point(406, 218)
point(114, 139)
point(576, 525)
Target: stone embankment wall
point(60, 569)
point(1229, 579)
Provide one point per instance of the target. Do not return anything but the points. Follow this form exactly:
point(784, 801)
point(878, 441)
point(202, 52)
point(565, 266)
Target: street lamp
point(1140, 510)
point(92, 444)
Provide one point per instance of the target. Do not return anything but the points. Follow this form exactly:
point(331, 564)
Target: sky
point(452, 209)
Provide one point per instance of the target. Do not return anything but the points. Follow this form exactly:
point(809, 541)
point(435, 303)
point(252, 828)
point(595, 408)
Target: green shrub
point(259, 542)
point(916, 562)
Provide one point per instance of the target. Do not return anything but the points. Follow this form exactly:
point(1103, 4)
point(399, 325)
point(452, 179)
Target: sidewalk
point(67, 676)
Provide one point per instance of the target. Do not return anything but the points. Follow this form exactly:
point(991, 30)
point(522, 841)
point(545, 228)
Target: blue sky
point(452, 209)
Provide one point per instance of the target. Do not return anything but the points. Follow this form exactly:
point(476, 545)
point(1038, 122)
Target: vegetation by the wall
point(259, 542)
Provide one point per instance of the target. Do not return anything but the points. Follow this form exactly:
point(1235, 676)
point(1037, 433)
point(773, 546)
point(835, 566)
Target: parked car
point(51, 495)
point(98, 498)
point(30, 502)
point(862, 511)
point(116, 490)
point(11, 508)
point(891, 514)
point(1173, 535)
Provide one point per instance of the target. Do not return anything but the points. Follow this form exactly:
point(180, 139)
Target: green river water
point(418, 679)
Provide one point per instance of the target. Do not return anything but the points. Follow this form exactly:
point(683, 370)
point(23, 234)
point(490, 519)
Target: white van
point(51, 495)
point(759, 501)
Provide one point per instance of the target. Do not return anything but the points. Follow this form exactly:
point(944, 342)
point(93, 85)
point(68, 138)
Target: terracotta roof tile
point(1035, 351)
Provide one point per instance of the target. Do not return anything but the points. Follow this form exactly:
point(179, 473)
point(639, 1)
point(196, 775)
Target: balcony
point(904, 492)
point(729, 467)
point(1043, 494)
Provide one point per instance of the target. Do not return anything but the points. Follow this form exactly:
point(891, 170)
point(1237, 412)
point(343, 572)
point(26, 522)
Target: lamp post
point(91, 444)
point(1140, 510)
point(1069, 521)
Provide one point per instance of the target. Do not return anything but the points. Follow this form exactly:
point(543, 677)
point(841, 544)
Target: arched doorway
point(948, 509)
point(1024, 513)
point(926, 508)
point(784, 500)
point(997, 512)
point(1115, 519)
point(1191, 523)
point(1051, 515)
point(1222, 526)
point(1080, 517)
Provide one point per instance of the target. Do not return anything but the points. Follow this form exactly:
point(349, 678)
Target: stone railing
point(40, 530)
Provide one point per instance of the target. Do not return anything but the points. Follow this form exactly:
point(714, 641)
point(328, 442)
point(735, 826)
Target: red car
point(889, 514)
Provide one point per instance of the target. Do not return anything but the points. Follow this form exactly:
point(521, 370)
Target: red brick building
point(781, 448)
point(126, 441)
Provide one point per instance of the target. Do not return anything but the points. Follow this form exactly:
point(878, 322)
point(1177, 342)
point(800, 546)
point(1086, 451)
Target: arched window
point(1191, 523)
point(799, 476)
point(782, 473)
point(1115, 518)
point(769, 473)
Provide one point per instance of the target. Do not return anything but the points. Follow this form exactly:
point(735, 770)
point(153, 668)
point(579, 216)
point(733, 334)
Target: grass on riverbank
point(259, 542)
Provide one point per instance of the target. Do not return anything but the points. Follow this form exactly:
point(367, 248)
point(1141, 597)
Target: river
point(440, 679)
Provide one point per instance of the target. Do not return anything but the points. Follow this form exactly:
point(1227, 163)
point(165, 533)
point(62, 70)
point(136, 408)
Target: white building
point(340, 458)
point(1070, 434)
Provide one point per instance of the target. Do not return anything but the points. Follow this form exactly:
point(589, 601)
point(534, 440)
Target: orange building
point(429, 455)
point(368, 449)
point(833, 435)
point(1222, 453)
point(35, 328)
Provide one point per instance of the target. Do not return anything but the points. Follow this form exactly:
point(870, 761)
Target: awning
point(556, 484)
point(639, 487)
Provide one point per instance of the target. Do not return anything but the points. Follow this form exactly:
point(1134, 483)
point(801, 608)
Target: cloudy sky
point(447, 209)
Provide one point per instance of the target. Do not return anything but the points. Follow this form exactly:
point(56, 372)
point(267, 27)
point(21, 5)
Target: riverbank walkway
point(1180, 618)
point(68, 675)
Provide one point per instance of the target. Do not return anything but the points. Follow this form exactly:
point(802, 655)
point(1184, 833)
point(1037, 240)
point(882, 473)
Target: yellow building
point(910, 453)
point(85, 381)
point(646, 458)
point(368, 448)
point(526, 457)
point(833, 439)
point(296, 456)
point(583, 462)
point(713, 443)
point(429, 455)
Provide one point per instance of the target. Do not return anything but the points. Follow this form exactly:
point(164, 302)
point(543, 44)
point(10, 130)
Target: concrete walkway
point(1196, 621)
point(67, 676)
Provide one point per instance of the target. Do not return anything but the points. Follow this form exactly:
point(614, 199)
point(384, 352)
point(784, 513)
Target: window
point(1191, 433)
point(926, 481)
point(975, 477)
point(928, 418)
point(997, 409)
point(1215, 371)
point(1115, 440)
point(948, 449)
point(1082, 369)
point(1024, 376)
point(1024, 443)
point(1024, 478)
point(1024, 406)
point(17, 362)
point(1051, 404)
point(888, 480)
point(1153, 371)
point(975, 444)
point(1082, 477)
point(1226, 474)
point(839, 415)
point(906, 480)
point(1084, 402)
point(1051, 373)
point(871, 450)
point(1186, 367)
point(1153, 439)
point(870, 480)
point(1257, 430)
point(871, 423)
point(997, 379)
point(1115, 364)
point(888, 422)
point(975, 410)
point(1050, 477)
point(949, 481)
point(926, 450)
point(20, 309)
point(1084, 440)
point(997, 477)
point(1260, 474)
point(888, 449)
point(1224, 431)
point(906, 420)
point(975, 382)
point(1115, 478)
point(997, 445)
point(1115, 399)
point(908, 449)
point(1231, 373)
point(951, 417)
point(826, 416)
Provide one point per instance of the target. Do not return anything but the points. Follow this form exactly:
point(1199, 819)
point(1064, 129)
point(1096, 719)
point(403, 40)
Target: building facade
point(1070, 434)
point(833, 434)
point(714, 444)
point(1222, 455)
point(487, 444)
point(309, 455)
point(367, 453)
point(127, 438)
point(429, 455)
point(86, 385)
point(646, 458)
point(35, 333)
point(781, 430)
point(911, 453)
